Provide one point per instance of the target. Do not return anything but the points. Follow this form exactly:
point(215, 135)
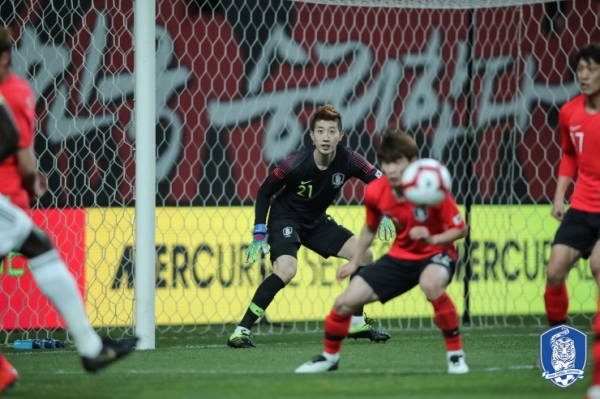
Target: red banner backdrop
point(238, 80)
point(22, 305)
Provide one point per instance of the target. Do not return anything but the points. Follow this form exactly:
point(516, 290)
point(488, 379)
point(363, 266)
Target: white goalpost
point(158, 121)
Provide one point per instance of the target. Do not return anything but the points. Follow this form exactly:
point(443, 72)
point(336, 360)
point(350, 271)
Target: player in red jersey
point(579, 233)
point(19, 177)
point(423, 253)
point(18, 233)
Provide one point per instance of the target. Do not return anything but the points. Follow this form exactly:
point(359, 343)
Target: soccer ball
point(426, 182)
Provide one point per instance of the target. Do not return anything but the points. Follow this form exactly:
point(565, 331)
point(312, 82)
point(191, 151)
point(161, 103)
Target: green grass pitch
point(410, 365)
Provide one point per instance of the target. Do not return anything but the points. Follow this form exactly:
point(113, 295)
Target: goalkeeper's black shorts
point(325, 238)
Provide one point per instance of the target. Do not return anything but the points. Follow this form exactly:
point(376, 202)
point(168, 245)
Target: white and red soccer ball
point(426, 182)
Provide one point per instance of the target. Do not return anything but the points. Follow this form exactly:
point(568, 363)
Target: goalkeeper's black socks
point(263, 297)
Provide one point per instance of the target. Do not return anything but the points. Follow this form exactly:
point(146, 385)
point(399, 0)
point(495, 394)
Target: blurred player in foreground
point(19, 177)
point(423, 253)
point(18, 233)
point(579, 233)
point(302, 187)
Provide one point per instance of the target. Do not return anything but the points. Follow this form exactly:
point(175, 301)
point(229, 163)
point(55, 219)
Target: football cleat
point(241, 340)
point(367, 331)
point(8, 375)
point(318, 365)
point(112, 350)
point(457, 363)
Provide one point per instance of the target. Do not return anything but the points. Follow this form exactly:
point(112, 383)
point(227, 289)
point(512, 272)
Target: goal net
point(477, 83)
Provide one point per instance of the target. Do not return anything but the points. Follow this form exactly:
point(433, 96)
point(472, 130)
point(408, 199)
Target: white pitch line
point(246, 372)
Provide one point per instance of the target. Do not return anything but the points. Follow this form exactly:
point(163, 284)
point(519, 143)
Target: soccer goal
point(477, 83)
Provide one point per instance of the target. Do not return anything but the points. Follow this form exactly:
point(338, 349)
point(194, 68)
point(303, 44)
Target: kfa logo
point(287, 232)
point(337, 180)
point(420, 214)
point(563, 352)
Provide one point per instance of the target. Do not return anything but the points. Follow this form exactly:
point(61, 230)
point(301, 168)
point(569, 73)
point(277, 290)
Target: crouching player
point(423, 253)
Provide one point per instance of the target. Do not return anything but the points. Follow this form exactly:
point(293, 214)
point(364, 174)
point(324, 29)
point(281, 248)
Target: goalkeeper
point(301, 188)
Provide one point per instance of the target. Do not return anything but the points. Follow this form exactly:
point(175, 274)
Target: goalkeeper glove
point(258, 244)
point(386, 231)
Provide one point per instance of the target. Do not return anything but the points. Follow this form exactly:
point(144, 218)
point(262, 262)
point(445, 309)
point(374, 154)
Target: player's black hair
point(326, 113)
point(5, 39)
point(395, 145)
point(589, 52)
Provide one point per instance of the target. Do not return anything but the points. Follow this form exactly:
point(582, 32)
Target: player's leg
point(284, 249)
point(556, 298)
point(385, 279)
point(594, 391)
point(433, 281)
point(332, 239)
point(57, 284)
point(337, 324)
point(573, 238)
point(8, 375)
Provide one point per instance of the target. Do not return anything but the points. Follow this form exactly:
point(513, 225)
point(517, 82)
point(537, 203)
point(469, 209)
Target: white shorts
point(15, 227)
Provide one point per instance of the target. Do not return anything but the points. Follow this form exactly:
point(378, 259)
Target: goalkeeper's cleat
point(241, 340)
point(8, 375)
point(318, 365)
point(457, 363)
point(367, 331)
point(593, 392)
point(112, 350)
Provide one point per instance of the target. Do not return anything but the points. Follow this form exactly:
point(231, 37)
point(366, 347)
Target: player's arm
point(24, 113)
point(452, 217)
point(365, 238)
point(9, 133)
point(566, 170)
point(363, 169)
point(366, 172)
point(27, 165)
point(272, 184)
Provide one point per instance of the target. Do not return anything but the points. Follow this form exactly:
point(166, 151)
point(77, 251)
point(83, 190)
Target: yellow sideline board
point(201, 278)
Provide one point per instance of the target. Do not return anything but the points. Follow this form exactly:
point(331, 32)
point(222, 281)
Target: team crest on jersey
point(420, 214)
point(287, 232)
point(563, 352)
point(338, 180)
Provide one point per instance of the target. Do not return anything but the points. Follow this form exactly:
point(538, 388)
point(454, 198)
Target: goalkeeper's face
point(326, 136)
point(588, 75)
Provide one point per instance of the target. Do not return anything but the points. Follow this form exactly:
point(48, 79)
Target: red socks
point(596, 348)
point(336, 329)
point(446, 319)
point(556, 300)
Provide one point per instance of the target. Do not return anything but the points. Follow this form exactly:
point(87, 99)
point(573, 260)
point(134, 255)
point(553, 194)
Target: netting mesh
point(237, 82)
point(433, 4)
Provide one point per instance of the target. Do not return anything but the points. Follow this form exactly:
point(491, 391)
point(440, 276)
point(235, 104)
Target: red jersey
point(380, 200)
point(20, 99)
point(580, 136)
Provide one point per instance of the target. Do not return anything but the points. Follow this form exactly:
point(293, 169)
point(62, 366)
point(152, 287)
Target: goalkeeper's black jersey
point(304, 192)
